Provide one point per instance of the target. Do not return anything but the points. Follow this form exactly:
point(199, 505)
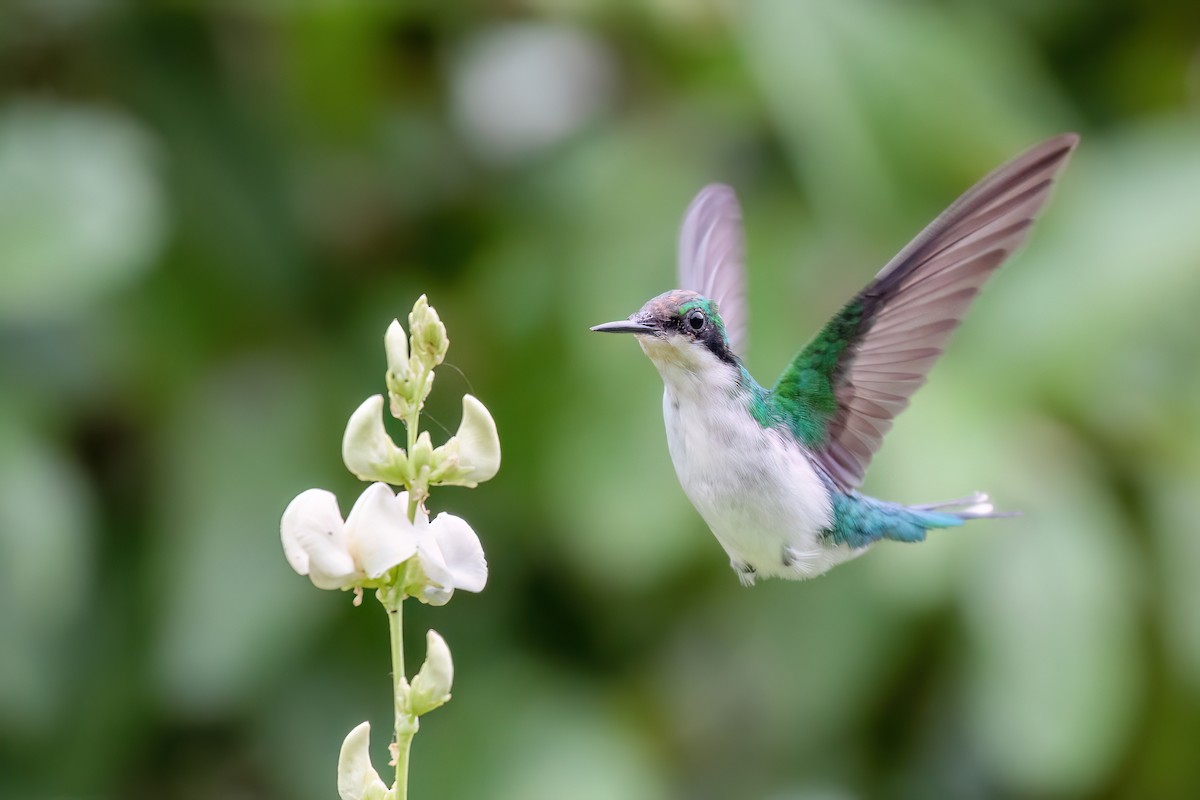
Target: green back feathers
point(805, 395)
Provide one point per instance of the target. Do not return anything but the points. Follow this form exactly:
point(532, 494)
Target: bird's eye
point(695, 319)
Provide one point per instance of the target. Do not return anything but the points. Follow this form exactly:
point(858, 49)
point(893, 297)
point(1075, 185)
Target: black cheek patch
point(714, 341)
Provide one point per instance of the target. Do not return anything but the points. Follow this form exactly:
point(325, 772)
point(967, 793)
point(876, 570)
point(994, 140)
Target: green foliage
point(209, 211)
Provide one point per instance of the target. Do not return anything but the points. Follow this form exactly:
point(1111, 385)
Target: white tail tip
point(981, 506)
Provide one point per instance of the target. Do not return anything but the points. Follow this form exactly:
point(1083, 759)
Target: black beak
point(623, 326)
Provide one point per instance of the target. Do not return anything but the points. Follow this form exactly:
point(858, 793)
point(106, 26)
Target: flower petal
point(461, 552)
point(378, 532)
point(435, 595)
point(367, 449)
point(356, 778)
point(479, 444)
point(314, 540)
point(433, 566)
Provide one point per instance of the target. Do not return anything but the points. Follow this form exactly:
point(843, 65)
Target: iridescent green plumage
point(859, 520)
point(804, 393)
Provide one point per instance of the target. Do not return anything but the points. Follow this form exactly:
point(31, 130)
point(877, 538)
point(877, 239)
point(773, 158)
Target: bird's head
point(679, 330)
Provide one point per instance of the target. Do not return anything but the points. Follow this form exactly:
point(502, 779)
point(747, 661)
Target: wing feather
point(712, 257)
point(863, 367)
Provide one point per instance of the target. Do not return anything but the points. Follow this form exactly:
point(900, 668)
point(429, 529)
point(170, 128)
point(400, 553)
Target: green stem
point(416, 490)
point(405, 723)
point(395, 609)
point(414, 499)
point(411, 422)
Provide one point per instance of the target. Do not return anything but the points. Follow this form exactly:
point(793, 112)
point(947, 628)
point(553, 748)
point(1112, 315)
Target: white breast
point(753, 486)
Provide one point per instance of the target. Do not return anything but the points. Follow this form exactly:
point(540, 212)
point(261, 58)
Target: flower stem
point(406, 724)
point(418, 488)
point(413, 419)
point(395, 609)
point(414, 500)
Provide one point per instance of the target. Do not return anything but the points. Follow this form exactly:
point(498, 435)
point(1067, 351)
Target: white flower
point(471, 456)
point(367, 449)
point(478, 445)
point(376, 537)
point(449, 557)
point(431, 686)
point(357, 779)
point(337, 555)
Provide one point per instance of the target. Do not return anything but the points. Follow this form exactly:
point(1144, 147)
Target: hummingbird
point(775, 472)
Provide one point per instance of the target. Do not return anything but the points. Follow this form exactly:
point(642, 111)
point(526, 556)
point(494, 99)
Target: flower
point(471, 456)
point(449, 557)
point(338, 555)
point(367, 449)
point(431, 686)
point(376, 537)
point(356, 778)
point(477, 443)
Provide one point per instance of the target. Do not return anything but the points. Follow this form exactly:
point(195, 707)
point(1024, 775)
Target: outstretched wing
point(712, 255)
point(843, 391)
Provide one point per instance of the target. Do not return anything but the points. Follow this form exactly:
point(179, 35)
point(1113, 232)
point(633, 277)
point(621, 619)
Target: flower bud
point(431, 686)
point(367, 449)
point(446, 467)
point(395, 344)
point(356, 778)
point(406, 391)
point(420, 460)
point(429, 342)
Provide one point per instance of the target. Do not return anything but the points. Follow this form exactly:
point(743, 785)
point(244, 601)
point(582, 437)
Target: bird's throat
point(689, 370)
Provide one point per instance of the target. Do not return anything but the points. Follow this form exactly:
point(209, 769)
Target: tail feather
point(977, 506)
point(859, 520)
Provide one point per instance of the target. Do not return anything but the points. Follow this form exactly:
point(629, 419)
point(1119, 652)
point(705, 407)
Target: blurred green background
point(209, 212)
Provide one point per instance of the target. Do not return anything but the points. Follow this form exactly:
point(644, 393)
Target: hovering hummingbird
point(774, 472)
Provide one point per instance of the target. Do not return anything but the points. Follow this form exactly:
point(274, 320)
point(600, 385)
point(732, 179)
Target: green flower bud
point(401, 378)
point(429, 342)
point(421, 460)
